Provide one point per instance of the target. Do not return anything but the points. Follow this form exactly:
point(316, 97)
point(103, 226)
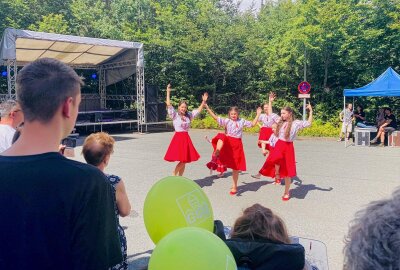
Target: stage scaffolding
point(120, 58)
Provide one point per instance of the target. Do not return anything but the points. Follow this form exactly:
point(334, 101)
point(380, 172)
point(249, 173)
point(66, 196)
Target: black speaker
point(89, 104)
point(162, 112)
point(151, 93)
point(151, 112)
point(156, 112)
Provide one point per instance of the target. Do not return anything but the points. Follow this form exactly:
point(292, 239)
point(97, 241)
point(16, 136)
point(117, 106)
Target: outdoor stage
point(333, 183)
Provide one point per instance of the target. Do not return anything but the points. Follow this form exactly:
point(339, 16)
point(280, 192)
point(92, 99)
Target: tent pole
point(344, 112)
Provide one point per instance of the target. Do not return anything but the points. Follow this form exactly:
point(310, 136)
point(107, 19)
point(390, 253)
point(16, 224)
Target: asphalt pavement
point(333, 183)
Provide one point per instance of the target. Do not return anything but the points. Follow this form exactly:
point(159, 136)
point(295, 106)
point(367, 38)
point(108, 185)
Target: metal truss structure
point(12, 71)
point(121, 97)
point(102, 87)
point(3, 97)
point(102, 94)
point(140, 98)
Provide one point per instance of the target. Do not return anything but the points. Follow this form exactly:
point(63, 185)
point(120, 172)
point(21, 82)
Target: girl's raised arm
point(255, 121)
point(213, 115)
point(271, 98)
point(204, 101)
point(168, 101)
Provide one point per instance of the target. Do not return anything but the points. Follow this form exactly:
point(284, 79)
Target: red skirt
point(265, 133)
point(181, 149)
point(232, 154)
point(283, 155)
point(215, 164)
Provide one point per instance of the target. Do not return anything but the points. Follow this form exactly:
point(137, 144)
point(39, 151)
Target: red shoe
point(277, 180)
point(232, 192)
point(285, 197)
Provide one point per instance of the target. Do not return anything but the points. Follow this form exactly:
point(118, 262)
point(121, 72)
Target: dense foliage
point(209, 45)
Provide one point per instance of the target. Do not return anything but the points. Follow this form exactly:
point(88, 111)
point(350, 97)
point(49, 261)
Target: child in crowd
point(97, 150)
point(267, 118)
point(181, 148)
point(259, 240)
point(229, 149)
point(283, 153)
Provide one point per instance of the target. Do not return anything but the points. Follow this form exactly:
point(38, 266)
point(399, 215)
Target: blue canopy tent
point(386, 85)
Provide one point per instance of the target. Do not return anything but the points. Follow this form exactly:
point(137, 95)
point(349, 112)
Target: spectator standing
point(56, 213)
point(346, 116)
point(11, 118)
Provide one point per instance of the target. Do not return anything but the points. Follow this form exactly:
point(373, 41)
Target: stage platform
point(99, 118)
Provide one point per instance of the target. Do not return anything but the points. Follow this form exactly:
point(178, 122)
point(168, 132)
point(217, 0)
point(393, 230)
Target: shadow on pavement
point(253, 186)
point(301, 190)
point(209, 180)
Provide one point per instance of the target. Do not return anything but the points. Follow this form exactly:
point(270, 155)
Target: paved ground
point(333, 183)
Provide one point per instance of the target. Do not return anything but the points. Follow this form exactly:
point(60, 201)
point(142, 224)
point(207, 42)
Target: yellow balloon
point(176, 202)
point(191, 248)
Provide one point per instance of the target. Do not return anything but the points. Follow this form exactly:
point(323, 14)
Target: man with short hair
point(346, 116)
point(56, 213)
point(11, 117)
point(389, 125)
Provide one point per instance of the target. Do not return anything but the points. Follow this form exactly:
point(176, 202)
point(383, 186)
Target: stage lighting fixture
point(4, 73)
point(94, 76)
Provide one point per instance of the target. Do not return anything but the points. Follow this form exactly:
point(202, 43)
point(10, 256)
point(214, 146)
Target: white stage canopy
point(27, 46)
point(114, 60)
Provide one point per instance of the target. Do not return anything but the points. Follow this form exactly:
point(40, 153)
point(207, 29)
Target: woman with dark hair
point(181, 148)
point(283, 153)
point(268, 119)
point(359, 117)
point(388, 126)
point(259, 240)
point(229, 147)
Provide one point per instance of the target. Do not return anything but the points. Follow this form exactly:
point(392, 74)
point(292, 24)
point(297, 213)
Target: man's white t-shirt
point(6, 135)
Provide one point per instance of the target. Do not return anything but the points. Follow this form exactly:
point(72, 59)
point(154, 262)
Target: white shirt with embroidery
point(272, 140)
point(297, 125)
point(181, 122)
point(234, 128)
point(268, 120)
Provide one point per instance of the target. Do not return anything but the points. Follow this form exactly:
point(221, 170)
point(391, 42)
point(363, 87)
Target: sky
point(247, 3)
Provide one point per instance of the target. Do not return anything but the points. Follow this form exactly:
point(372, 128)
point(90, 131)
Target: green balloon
point(191, 248)
point(175, 202)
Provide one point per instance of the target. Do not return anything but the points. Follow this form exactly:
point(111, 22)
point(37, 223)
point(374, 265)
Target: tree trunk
point(326, 64)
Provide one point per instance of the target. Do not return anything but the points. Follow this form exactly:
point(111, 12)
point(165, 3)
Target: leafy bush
point(206, 122)
point(317, 129)
point(320, 129)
